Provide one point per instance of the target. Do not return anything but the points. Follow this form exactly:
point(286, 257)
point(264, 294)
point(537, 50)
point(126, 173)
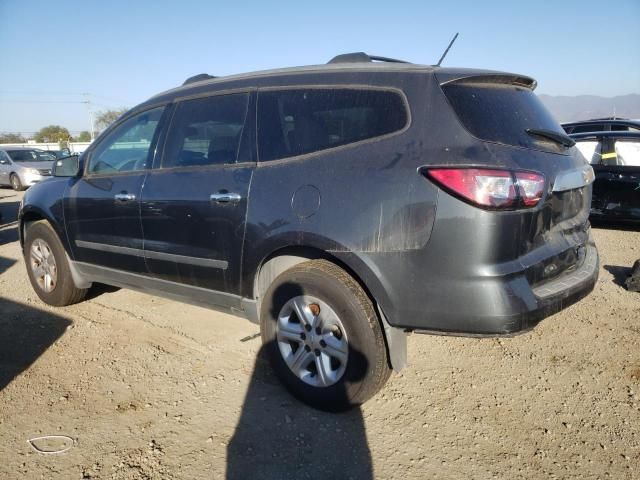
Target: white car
point(23, 167)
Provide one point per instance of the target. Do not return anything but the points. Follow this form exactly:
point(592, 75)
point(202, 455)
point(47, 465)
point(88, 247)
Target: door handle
point(125, 197)
point(225, 197)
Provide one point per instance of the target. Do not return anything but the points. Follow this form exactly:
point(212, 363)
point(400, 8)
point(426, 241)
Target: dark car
point(65, 152)
point(612, 124)
point(339, 206)
point(615, 158)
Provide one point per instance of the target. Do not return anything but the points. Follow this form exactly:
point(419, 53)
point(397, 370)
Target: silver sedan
point(23, 167)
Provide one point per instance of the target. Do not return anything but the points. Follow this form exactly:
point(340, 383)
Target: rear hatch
point(520, 134)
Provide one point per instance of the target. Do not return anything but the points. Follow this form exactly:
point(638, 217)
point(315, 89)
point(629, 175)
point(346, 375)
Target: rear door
point(618, 177)
point(194, 201)
point(102, 209)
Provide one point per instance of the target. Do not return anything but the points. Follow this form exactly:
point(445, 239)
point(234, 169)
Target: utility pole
point(92, 129)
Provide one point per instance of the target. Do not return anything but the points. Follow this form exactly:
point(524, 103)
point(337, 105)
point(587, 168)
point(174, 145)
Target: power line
point(40, 101)
point(56, 101)
point(79, 94)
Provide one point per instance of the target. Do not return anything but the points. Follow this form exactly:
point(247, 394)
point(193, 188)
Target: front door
point(5, 166)
point(102, 208)
point(194, 201)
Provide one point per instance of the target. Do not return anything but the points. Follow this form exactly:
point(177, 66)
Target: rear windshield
point(502, 113)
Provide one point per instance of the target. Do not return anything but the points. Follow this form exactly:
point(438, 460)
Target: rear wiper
point(551, 135)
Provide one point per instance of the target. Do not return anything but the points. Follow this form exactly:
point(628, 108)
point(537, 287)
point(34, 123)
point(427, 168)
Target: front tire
point(323, 337)
point(16, 184)
point(48, 267)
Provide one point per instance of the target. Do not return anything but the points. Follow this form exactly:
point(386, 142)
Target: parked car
point(22, 167)
point(615, 158)
point(612, 124)
point(339, 206)
point(65, 152)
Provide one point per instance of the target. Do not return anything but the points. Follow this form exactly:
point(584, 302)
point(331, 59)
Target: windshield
point(31, 156)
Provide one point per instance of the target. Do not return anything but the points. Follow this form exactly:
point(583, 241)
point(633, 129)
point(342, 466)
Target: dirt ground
point(148, 388)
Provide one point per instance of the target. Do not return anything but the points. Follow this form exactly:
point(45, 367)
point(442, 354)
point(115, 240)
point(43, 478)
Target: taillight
point(530, 187)
point(491, 188)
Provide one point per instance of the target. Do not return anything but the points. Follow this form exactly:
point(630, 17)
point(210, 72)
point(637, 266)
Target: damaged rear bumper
point(511, 306)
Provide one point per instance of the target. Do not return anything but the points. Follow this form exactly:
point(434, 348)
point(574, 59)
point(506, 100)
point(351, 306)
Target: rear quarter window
point(300, 121)
point(502, 113)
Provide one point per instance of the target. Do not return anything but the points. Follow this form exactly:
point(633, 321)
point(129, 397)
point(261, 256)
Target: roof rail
point(361, 57)
point(198, 78)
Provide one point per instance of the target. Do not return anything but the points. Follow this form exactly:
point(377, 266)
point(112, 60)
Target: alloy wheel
point(43, 265)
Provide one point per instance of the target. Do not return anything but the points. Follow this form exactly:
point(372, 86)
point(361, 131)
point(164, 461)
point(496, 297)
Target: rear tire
point(334, 357)
point(16, 184)
point(48, 267)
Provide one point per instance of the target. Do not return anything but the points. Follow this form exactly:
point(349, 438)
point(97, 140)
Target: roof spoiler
point(361, 57)
point(493, 78)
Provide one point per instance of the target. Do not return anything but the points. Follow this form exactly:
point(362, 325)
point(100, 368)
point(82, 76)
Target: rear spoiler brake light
point(492, 79)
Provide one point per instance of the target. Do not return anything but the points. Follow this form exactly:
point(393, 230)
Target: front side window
point(300, 121)
point(206, 131)
point(127, 147)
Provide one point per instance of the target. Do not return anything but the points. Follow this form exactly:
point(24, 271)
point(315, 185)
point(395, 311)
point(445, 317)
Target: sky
point(54, 55)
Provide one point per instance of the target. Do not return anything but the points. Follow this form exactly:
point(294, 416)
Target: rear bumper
point(507, 305)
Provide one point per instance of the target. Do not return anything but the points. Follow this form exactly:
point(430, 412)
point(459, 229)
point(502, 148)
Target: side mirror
point(4, 162)
point(66, 166)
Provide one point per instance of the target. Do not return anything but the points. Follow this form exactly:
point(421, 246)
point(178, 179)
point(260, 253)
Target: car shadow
point(9, 222)
point(6, 263)
point(278, 436)
point(615, 225)
point(619, 273)
point(98, 289)
point(26, 333)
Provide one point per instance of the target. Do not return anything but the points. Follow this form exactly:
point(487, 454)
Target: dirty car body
point(365, 165)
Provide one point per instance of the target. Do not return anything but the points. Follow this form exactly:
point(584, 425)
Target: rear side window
point(593, 127)
point(206, 131)
point(502, 113)
point(300, 121)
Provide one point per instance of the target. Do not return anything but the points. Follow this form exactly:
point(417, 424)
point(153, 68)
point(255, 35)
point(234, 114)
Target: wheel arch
point(31, 214)
point(281, 260)
point(35, 215)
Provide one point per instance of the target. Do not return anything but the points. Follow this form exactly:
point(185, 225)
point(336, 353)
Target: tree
point(107, 117)
point(52, 133)
point(12, 138)
point(83, 136)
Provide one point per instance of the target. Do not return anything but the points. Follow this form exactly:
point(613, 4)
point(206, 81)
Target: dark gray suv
point(339, 206)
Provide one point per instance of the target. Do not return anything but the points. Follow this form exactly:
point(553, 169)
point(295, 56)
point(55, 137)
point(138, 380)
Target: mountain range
point(585, 107)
